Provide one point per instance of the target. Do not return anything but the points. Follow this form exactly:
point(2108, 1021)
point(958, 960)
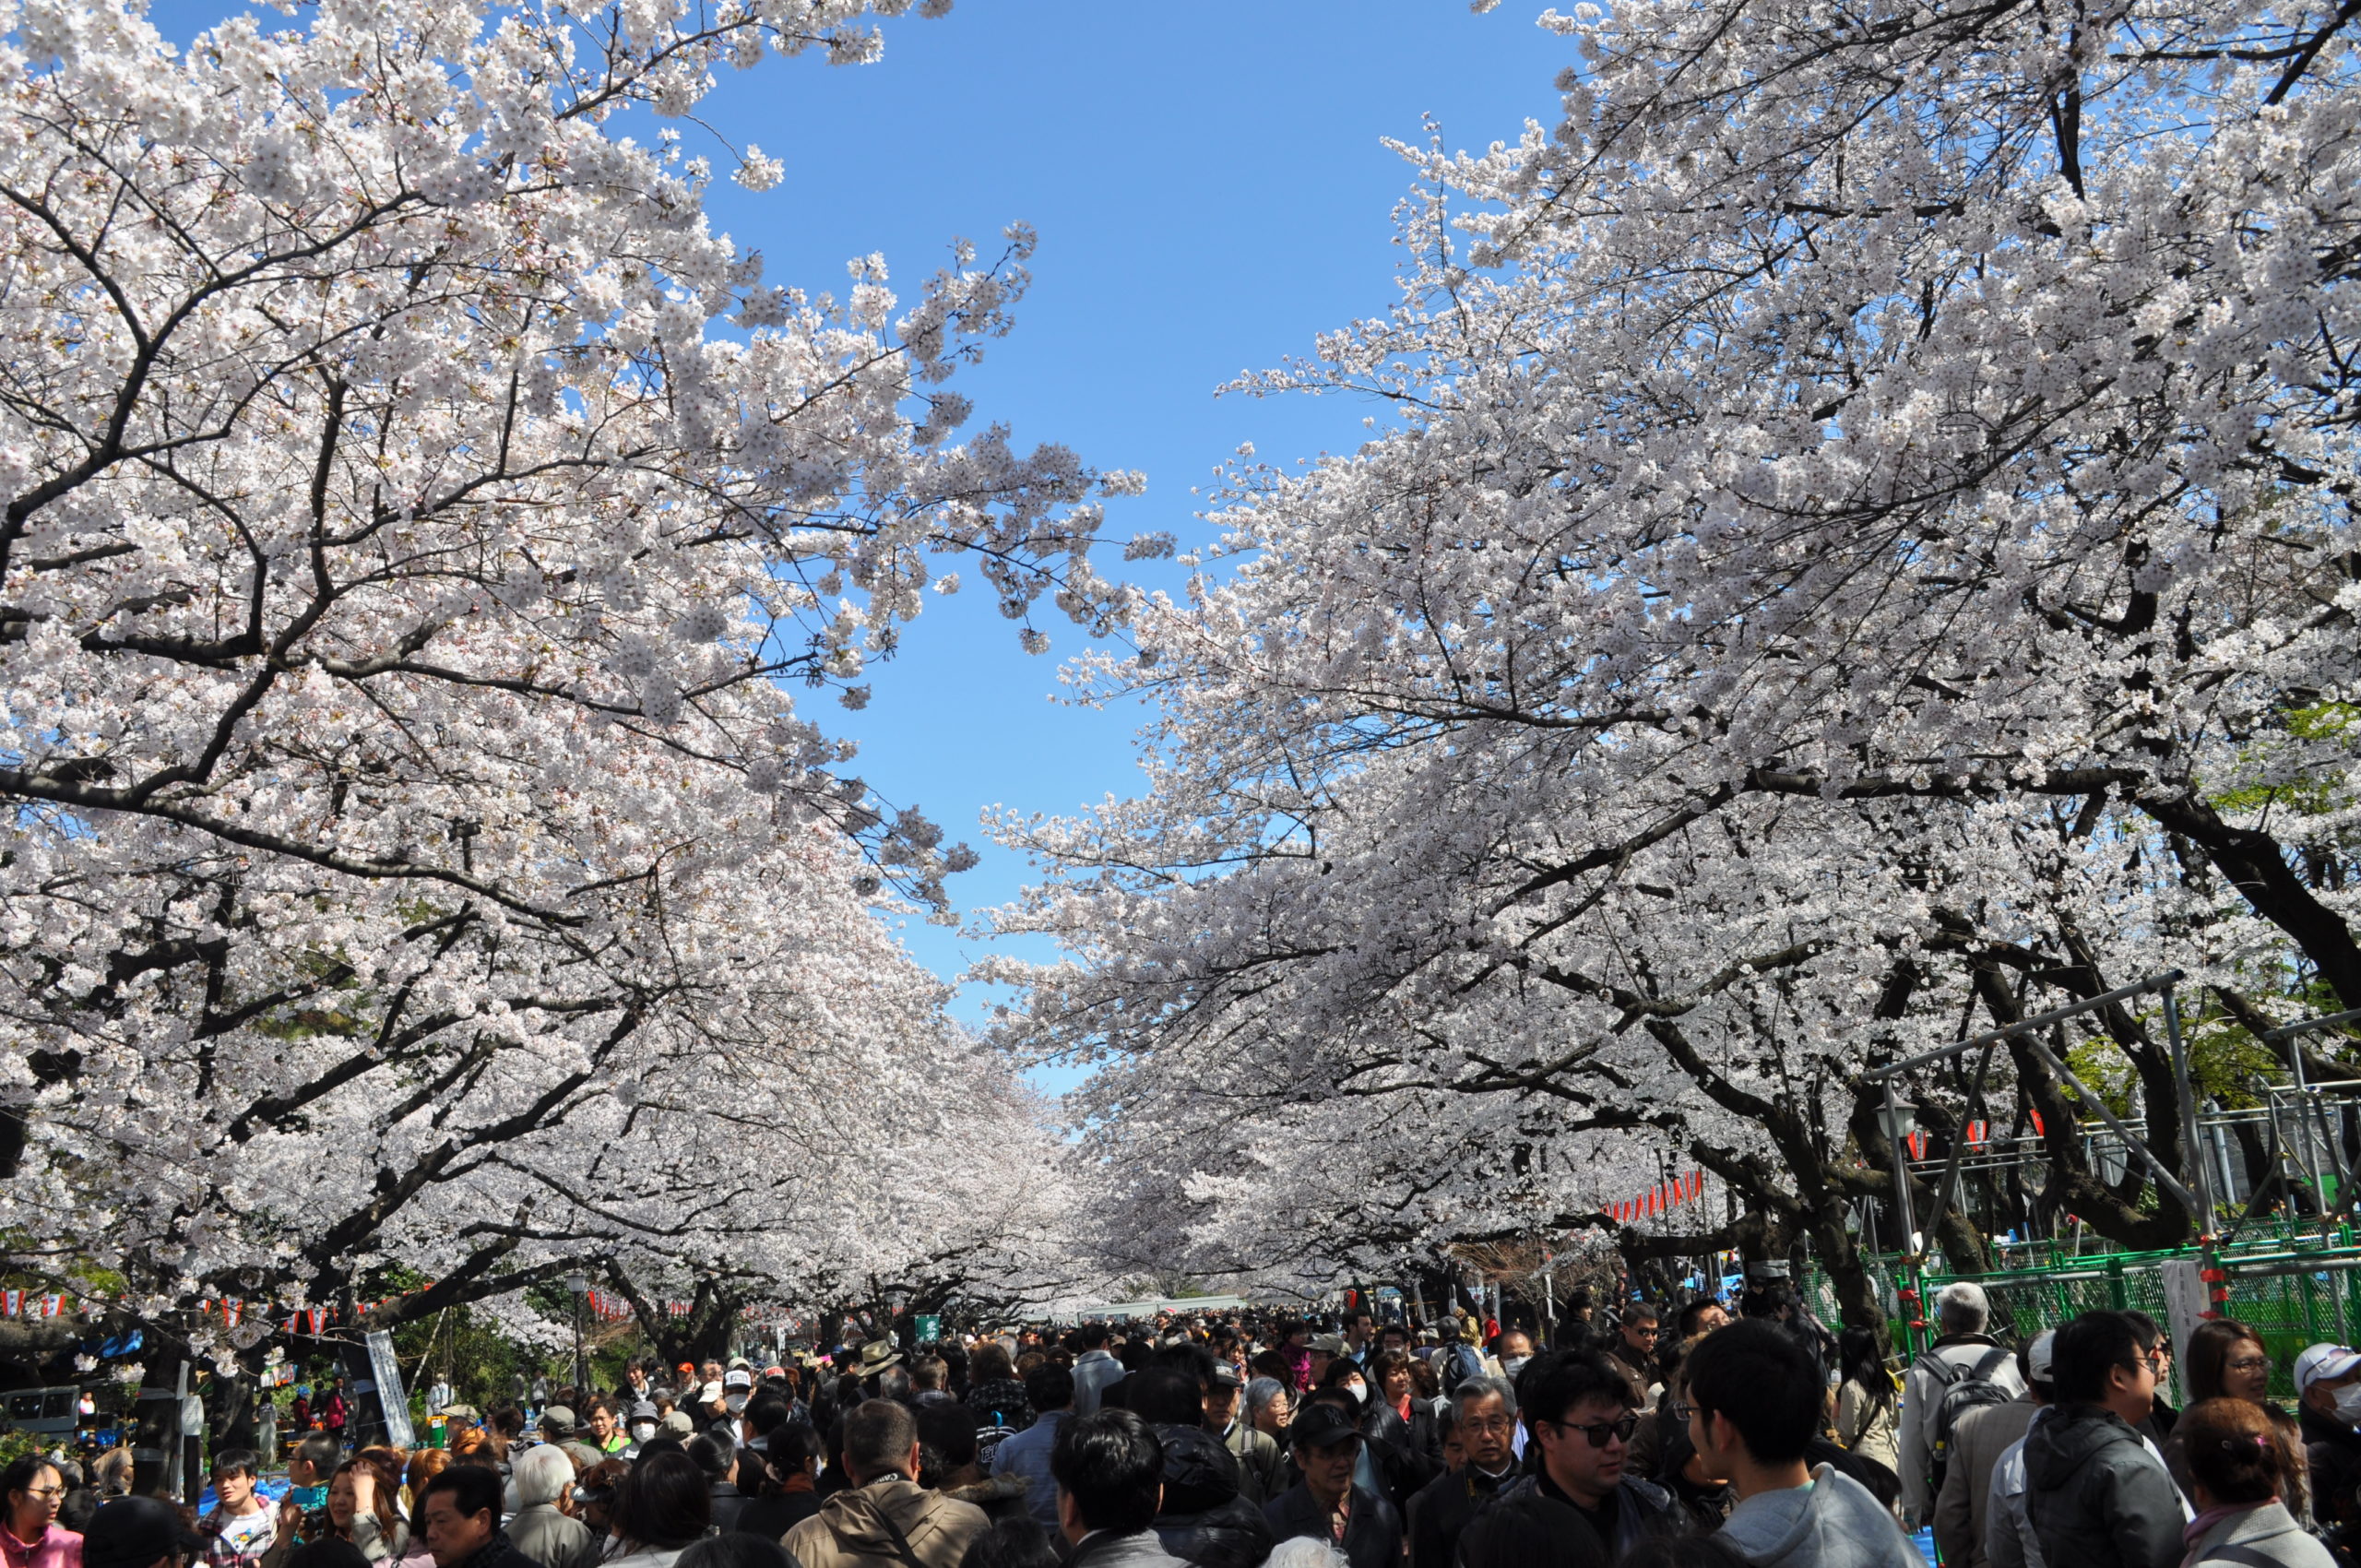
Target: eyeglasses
point(1598, 1432)
point(1482, 1424)
point(1682, 1410)
point(2247, 1364)
point(46, 1493)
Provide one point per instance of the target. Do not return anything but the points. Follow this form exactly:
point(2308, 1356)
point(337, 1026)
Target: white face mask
point(2348, 1405)
point(735, 1403)
point(1360, 1392)
point(642, 1431)
point(1514, 1364)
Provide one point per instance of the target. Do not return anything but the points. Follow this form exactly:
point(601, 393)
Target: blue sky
point(1211, 189)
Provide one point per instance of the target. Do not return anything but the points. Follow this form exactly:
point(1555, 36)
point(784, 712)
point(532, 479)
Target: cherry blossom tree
point(415, 516)
point(1866, 547)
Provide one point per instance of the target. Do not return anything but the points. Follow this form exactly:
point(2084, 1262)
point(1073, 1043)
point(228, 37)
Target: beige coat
point(851, 1528)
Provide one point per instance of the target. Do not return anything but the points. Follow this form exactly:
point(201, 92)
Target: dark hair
point(236, 1462)
point(990, 1363)
point(1385, 1364)
point(1641, 1312)
point(1756, 1377)
point(1555, 1385)
point(1049, 1387)
point(709, 1454)
point(2209, 1345)
point(735, 1548)
point(1337, 1370)
point(331, 1551)
point(320, 1450)
point(24, 1470)
point(784, 1454)
point(2234, 1450)
point(1094, 1335)
point(473, 1490)
point(1166, 1396)
point(1711, 1550)
point(878, 1434)
point(950, 1431)
point(768, 1411)
point(1685, 1326)
point(2089, 1347)
point(1112, 1467)
point(1019, 1542)
point(663, 1503)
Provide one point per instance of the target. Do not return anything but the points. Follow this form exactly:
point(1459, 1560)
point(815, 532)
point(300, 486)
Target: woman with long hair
point(661, 1507)
point(2227, 1360)
point(1867, 1406)
point(33, 1537)
point(365, 1508)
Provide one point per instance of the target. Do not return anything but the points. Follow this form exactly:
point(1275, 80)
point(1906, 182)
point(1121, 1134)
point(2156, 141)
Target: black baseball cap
point(1321, 1426)
point(133, 1532)
point(1226, 1376)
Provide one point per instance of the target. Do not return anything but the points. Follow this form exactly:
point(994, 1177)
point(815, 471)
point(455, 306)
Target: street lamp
point(580, 1285)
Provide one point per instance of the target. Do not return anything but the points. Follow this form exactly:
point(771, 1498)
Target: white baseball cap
point(2321, 1361)
point(2037, 1354)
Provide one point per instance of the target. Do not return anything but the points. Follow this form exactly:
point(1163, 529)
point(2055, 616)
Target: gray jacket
point(549, 1538)
point(1140, 1549)
point(2097, 1495)
point(1093, 1371)
point(2007, 1534)
point(1977, 1442)
point(2265, 1536)
point(1834, 1523)
point(1922, 1394)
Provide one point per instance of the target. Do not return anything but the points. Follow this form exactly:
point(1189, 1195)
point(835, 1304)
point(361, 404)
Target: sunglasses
point(1598, 1432)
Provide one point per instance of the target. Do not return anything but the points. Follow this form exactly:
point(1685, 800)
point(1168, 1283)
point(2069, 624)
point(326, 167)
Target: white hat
point(2037, 1354)
point(2324, 1361)
point(709, 1394)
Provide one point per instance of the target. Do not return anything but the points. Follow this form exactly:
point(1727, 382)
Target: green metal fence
point(2294, 1289)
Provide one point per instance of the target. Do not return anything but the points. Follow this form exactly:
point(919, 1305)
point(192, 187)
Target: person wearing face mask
point(2328, 1410)
point(1513, 1350)
point(639, 1425)
point(737, 1387)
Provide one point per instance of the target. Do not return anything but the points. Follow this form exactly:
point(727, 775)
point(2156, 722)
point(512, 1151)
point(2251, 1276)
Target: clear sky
point(1211, 188)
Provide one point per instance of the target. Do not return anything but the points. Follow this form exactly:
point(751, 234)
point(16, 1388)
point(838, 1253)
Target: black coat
point(1373, 1531)
point(1532, 1521)
point(1442, 1508)
point(2333, 1451)
point(1407, 1454)
point(1204, 1519)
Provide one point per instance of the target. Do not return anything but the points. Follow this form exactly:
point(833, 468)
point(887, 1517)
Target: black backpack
point(1965, 1386)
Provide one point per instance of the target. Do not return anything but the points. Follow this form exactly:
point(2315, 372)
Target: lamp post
point(580, 1285)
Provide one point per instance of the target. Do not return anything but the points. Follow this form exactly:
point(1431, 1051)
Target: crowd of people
point(1685, 1437)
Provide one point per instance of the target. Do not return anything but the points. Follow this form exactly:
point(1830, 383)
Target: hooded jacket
point(1204, 1519)
point(1833, 1522)
point(2096, 1495)
point(855, 1528)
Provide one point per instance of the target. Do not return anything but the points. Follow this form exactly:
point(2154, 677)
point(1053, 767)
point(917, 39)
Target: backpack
point(1965, 1386)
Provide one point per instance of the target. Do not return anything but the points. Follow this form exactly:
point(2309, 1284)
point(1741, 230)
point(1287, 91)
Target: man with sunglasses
point(1580, 1510)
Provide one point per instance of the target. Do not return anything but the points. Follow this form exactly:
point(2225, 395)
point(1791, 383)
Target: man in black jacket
point(1483, 1418)
point(1203, 1518)
point(1326, 1505)
point(1579, 1509)
point(2096, 1493)
point(460, 1509)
